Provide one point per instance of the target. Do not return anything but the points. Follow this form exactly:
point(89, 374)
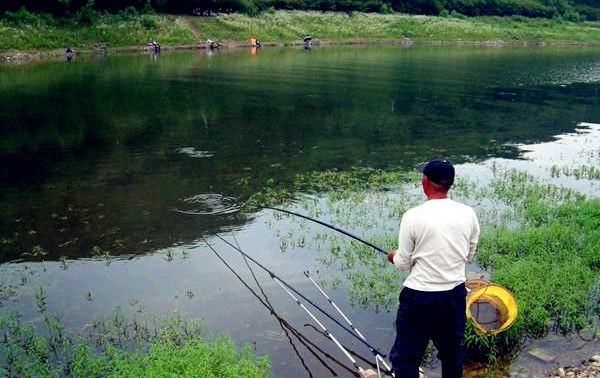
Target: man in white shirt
point(436, 240)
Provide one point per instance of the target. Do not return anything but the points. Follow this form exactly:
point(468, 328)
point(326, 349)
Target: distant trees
point(568, 9)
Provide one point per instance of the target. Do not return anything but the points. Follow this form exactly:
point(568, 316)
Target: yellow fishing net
point(491, 308)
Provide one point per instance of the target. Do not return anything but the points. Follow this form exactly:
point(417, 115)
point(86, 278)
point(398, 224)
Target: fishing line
point(286, 326)
point(284, 284)
point(283, 323)
point(378, 249)
point(378, 358)
point(331, 336)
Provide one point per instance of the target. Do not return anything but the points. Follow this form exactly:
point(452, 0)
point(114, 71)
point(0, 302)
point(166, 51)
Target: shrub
point(87, 15)
point(24, 17)
point(149, 22)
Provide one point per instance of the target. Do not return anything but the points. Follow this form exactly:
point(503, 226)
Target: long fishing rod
point(282, 322)
point(358, 367)
point(378, 357)
point(378, 249)
point(354, 362)
point(279, 280)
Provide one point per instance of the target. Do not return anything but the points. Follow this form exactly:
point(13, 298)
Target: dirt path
point(191, 23)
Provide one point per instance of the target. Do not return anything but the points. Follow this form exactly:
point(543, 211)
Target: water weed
point(540, 241)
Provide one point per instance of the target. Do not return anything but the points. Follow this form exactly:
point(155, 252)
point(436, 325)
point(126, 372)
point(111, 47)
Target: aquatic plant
point(121, 347)
point(540, 241)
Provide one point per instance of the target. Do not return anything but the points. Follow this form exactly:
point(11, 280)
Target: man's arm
point(474, 238)
point(406, 245)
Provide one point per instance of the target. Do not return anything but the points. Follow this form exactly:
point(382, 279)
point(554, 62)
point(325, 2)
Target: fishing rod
point(358, 367)
point(281, 282)
point(284, 286)
point(282, 322)
point(270, 307)
point(303, 339)
point(378, 249)
point(378, 357)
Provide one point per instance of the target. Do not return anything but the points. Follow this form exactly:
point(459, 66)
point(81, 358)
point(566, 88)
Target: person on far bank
point(436, 240)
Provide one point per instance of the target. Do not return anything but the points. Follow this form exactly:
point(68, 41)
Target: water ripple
point(209, 204)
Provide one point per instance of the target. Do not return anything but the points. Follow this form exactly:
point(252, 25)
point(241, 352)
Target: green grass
point(35, 32)
point(119, 347)
point(551, 261)
point(112, 31)
point(543, 247)
point(290, 26)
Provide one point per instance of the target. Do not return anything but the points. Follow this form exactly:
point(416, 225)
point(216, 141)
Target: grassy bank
point(120, 347)
point(292, 25)
point(29, 33)
point(539, 240)
point(42, 33)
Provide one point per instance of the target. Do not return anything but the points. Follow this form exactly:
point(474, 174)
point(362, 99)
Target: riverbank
point(587, 369)
point(39, 36)
point(119, 346)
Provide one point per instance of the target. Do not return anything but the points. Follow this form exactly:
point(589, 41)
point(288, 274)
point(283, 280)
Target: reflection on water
point(141, 159)
point(99, 153)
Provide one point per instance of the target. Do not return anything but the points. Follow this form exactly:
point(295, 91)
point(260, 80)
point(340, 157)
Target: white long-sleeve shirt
point(436, 240)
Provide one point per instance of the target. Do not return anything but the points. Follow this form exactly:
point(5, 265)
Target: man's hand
point(390, 256)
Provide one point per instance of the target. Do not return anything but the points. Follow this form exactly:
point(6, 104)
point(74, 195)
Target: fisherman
point(435, 241)
point(156, 47)
point(307, 42)
point(69, 53)
point(212, 44)
point(254, 42)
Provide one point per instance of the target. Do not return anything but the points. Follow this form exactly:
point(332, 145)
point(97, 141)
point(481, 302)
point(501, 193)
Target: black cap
point(440, 171)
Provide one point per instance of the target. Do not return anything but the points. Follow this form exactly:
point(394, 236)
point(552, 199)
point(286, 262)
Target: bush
point(128, 13)
point(248, 7)
point(148, 9)
point(589, 13)
point(455, 14)
point(148, 22)
point(386, 8)
point(87, 15)
point(24, 17)
point(572, 15)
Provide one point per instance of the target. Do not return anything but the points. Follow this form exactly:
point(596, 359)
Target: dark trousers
point(437, 316)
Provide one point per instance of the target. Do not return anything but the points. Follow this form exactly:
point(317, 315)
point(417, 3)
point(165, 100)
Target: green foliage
point(86, 12)
point(173, 347)
point(89, 29)
point(87, 15)
point(292, 25)
point(551, 260)
point(340, 184)
point(23, 17)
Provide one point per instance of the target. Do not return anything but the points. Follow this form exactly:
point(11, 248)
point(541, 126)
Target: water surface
point(119, 166)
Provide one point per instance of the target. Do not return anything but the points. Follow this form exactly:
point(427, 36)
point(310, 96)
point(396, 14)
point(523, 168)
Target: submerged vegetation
point(540, 241)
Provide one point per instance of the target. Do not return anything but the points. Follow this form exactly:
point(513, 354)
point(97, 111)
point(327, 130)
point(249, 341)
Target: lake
point(115, 168)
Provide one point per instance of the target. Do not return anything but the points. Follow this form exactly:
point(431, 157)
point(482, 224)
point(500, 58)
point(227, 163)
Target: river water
point(114, 168)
